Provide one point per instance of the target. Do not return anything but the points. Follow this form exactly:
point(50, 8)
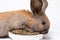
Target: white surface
point(53, 13)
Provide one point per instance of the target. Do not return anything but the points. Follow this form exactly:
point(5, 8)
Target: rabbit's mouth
point(43, 32)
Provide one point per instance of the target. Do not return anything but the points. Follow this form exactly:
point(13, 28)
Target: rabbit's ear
point(36, 6)
point(45, 4)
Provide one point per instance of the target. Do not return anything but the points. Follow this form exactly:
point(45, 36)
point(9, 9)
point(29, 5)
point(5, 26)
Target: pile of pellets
point(22, 32)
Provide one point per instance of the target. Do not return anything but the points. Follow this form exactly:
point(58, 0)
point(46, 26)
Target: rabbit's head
point(36, 7)
point(44, 21)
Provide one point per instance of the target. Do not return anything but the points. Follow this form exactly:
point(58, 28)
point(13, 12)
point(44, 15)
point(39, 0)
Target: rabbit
point(17, 19)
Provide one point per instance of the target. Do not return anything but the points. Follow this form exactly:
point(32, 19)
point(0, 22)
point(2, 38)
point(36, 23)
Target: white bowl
point(5, 38)
point(25, 37)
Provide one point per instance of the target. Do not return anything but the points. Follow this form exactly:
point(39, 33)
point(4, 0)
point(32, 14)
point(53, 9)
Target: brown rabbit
point(38, 8)
point(17, 19)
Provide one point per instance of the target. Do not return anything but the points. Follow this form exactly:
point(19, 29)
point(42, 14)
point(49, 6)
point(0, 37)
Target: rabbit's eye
point(43, 23)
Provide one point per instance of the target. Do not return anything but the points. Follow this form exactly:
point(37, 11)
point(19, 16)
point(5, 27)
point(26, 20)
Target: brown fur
point(15, 19)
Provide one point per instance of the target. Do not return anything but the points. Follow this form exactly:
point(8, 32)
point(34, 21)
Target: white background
point(52, 12)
